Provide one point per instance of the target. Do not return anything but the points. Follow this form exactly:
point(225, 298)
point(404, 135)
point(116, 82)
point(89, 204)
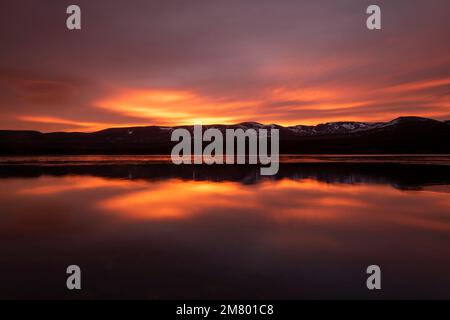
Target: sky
point(173, 62)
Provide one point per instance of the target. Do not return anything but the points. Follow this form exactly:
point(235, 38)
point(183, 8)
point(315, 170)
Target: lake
point(140, 227)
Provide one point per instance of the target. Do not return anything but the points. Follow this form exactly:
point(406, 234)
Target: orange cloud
point(418, 85)
point(168, 107)
point(175, 107)
point(283, 105)
point(73, 124)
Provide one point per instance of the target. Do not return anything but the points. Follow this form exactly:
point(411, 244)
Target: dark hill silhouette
point(401, 135)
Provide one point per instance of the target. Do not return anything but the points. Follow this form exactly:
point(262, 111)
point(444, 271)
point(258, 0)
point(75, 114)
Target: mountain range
point(401, 135)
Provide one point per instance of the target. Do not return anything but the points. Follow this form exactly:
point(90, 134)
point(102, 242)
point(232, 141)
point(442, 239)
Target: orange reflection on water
point(283, 228)
point(55, 185)
point(280, 201)
point(176, 199)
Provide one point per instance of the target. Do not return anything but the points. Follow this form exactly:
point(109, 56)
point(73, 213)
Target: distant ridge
point(401, 135)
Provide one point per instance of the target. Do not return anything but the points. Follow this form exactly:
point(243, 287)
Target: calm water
point(141, 228)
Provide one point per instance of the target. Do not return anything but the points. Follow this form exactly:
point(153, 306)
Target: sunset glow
point(196, 152)
point(294, 63)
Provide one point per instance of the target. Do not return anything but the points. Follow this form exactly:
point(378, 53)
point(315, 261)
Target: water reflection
point(307, 233)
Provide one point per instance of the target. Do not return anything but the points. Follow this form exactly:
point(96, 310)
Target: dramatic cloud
point(175, 62)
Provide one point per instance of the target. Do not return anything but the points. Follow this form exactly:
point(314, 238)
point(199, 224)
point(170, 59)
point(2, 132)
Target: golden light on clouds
point(282, 105)
point(171, 107)
point(176, 107)
point(419, 85)
point(74, 124)
point(300, 63)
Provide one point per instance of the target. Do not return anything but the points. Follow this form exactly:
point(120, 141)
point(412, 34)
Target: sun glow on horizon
point(283, 105)
point(173, 107)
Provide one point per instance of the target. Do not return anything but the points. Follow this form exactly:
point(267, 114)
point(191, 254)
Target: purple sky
point(220, 61)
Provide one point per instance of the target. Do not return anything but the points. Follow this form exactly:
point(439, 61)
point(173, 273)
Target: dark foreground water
point(141, 228)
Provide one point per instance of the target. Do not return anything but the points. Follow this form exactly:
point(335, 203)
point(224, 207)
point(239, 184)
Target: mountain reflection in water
point(157, 231)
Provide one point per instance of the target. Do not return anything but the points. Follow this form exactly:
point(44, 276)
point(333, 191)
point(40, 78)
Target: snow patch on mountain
point(334, 128)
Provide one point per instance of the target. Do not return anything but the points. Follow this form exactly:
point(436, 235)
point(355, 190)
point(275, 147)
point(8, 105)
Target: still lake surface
point(140, 227)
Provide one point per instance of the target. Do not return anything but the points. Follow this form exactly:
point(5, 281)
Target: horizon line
point(222, 124)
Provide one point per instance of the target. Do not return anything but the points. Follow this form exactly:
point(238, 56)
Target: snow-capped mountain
point(345, 127)
point(334, 128)
point(401, 135)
